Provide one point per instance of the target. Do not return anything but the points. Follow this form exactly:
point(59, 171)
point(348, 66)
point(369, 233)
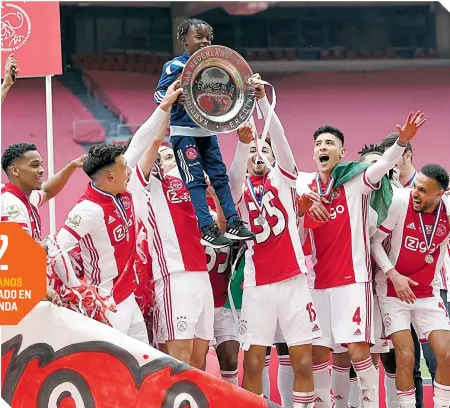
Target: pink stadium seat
point(27, 100)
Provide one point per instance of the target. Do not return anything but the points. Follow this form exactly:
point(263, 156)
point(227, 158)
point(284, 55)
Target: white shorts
point(381, 344)
point(128, 319)
point(287, 303)
point(185, 305)
point(225, 327)
point(426, 314)
point(345, 314)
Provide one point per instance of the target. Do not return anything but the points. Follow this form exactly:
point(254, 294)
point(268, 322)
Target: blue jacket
point(170, 72)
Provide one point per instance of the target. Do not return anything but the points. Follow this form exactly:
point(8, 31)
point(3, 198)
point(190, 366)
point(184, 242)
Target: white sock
point(368, 382)
point(266, 378)
point(285, 381)
point(407, 399)
point(230, 376)
point(441, 397)
point(392, 399)
point(322, 386)
point(340, 383)
point(354, 395)
point(303, 399)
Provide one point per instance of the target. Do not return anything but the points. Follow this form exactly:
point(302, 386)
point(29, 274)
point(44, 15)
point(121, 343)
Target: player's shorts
point(287, 303)
point(225, 326)
point(381, 344)
point(345, 314)
point(426, 315)
point(129, 319)
point(185, 305)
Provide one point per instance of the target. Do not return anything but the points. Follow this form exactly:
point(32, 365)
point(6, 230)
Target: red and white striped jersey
point(341, 246)
point(277, 237)
point(406, 248)
point(176, 235)
point(445, 270)
point(104, 225)
point(17, 207)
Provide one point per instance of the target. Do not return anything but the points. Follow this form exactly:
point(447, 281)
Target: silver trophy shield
point(218, 95)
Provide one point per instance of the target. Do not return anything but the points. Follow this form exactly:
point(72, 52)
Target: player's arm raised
point(402, 284)
point(57, 182)
point(157, 133)
point(280, 145)
point(145, 134)
point(11, 71)
point(238, 168)
point(406, 133)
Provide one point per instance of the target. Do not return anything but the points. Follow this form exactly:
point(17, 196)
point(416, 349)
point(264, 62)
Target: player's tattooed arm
point(238, 168)
point(280, 145)
point(391, 156)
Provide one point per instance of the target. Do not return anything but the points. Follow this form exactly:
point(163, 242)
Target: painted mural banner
point(60, 359)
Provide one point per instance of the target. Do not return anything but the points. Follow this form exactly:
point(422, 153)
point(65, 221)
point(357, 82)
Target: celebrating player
point(418, 227)
point(103, 222)
point(26, 190)
point(341, 273)
point(197, 150)
point(273, 295)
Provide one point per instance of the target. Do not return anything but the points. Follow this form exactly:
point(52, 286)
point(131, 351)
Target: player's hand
point(256, 82)
point(318, 211)
point(413, 123)
point(245, 133)
point(78, 162)
point(11, 70)
point(173, 93)
point(43, 245)
point(52, 296)
point(402, 285)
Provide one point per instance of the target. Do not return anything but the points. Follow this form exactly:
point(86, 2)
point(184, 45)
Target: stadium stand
point(305, 101)
point(24, 119)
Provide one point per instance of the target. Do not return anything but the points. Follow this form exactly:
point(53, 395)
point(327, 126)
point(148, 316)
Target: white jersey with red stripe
point(104, 225)
point(406, 248)
point(176, 235)
point(278, 234)
point(341, 246)
point(17, 207)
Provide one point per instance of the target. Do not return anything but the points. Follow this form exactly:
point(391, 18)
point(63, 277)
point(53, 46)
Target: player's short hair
point(329, 129)
point(389, 141)
point(14, 152)
point(101, 156)
point(184, 27)
point(437, 173)
point(371, 149)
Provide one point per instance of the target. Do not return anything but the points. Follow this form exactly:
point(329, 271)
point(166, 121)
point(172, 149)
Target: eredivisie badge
point(429, 259)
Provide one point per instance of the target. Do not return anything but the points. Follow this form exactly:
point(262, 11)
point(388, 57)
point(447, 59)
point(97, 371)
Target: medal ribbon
point(327, 188)
point(257, 202)
point(411, 181)
point(429, 242)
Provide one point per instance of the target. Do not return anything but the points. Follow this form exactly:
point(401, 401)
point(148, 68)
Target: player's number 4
point(4, 245)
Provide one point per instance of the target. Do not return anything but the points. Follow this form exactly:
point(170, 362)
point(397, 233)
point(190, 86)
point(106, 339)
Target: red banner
point(31, 30)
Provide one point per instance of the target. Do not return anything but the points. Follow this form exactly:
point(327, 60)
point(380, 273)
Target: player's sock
point(392, 400)
point(407, 399)
point(368, 381)
point(340, 383)
point(302, 399)
point(354, 395)
point(230, 376)
point(285, 381)
point(265, 378)
point(441, 397)
point(322, 386)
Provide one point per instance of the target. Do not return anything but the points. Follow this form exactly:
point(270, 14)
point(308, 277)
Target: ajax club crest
point(16, 27)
